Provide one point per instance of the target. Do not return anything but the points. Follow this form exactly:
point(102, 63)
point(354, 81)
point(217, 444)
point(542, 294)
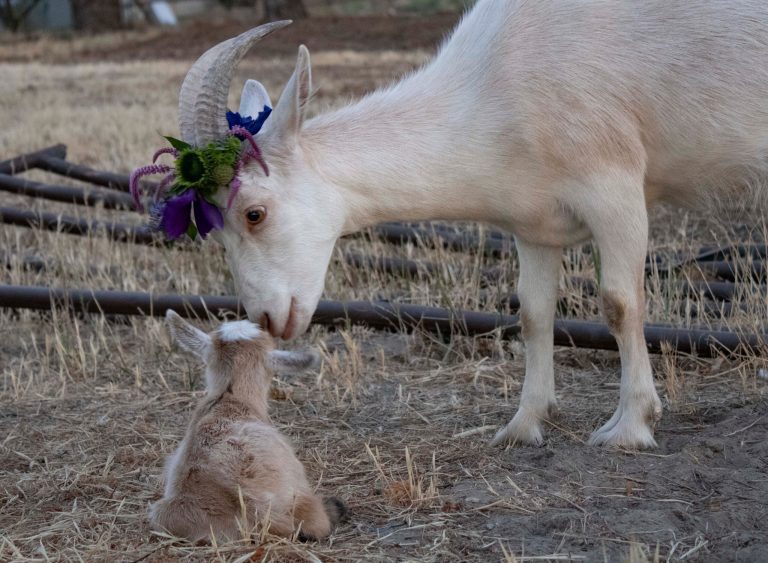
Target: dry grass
point(395, 424)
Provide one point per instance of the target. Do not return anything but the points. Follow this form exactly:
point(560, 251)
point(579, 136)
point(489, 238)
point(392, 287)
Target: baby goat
point(233, 468)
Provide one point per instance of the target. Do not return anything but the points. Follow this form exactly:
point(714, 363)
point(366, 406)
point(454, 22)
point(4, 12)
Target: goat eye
point(256, 215)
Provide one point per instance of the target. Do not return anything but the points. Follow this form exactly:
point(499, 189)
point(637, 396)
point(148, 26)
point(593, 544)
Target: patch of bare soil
point(397, 426)
point(700, 496)
point(702, 492)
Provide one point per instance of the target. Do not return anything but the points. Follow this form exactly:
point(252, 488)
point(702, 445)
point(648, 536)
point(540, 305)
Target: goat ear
point(253, 99)
point(191, 339)
point(281, 360)
point(290, 110)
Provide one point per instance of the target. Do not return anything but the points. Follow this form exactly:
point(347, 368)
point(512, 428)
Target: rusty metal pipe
point(398, 266)
point(57, 165)
point(65, 194)
point(389, 316)
point(717, 310)
point(142, 235)
point(72, 225)
point(755, 269)
point(31, 160)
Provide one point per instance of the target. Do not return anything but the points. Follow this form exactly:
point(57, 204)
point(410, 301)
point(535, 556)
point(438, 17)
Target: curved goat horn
point(204, 92)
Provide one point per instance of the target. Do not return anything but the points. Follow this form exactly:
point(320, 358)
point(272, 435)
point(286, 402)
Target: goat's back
point(678, 88)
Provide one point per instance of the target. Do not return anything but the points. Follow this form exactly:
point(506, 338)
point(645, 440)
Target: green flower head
point(208, 168)
point(191, 168)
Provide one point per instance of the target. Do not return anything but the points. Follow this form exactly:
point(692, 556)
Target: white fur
point(253, 99)
point(238, 330)
point(558, 120)
point(190, 338)
point(171, 470)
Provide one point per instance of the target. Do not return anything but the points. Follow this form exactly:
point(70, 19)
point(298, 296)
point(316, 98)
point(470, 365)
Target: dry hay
point(397, 425)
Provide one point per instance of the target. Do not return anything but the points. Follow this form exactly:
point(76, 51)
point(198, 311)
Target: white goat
point(558, 120)
point(233, 467)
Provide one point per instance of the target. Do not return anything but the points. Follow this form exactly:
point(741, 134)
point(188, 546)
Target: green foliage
point(177, 144)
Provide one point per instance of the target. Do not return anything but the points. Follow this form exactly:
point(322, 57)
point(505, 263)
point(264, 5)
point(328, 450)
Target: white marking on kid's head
point(238, 330)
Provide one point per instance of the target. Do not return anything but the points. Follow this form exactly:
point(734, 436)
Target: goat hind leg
point(537, 289)
point(620, 229)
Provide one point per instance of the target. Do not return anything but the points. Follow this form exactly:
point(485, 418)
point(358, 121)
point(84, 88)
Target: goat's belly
point(551, 228)
point(696, 184)
point(705, 157)
point(682, 194)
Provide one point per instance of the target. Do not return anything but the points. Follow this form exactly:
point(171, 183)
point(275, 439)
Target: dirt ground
point(190, 40)
point(396, 425)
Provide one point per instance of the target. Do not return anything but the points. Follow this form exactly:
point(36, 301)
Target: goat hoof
point(522, 430)
point(624, 431)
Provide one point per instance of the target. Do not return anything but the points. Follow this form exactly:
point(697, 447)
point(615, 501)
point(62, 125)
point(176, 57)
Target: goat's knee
point(528, 326)
point(614, 311)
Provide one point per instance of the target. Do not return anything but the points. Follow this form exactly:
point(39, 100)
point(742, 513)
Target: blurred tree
point(13, 14)
point(97, 15)
point(273, 9)
point(229, 4)
point(285, 9)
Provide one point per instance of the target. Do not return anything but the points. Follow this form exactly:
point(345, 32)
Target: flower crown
point(188, 188)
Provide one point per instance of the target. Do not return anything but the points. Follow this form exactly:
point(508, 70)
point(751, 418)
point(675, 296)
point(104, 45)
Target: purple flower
point(198, 171)
point(177, 215)
point(250, 124)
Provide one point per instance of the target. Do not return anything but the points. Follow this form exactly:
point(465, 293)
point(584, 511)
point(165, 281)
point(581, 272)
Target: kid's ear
point(191, 339)
point(282, 360)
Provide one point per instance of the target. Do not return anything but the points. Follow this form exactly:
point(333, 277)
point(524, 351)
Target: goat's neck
point(250, 390)
point(399, 155)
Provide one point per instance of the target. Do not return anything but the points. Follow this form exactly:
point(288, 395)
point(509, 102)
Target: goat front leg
point(537, 289)
point(619, 224)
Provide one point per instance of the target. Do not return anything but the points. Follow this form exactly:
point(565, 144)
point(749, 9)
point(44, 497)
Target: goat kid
point(557, 120)
point(233, 469)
